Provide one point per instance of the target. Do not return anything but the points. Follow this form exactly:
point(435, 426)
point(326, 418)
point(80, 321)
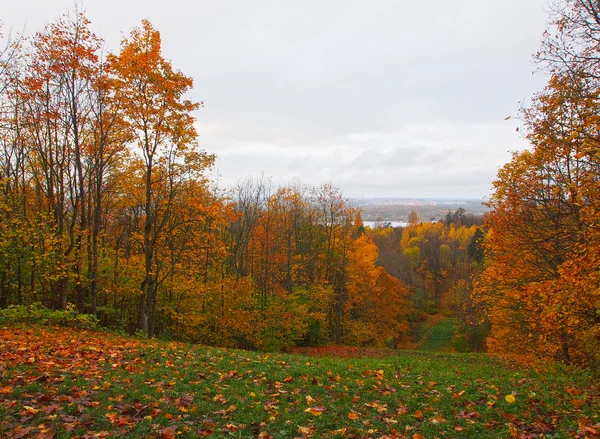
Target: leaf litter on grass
point(59, 383)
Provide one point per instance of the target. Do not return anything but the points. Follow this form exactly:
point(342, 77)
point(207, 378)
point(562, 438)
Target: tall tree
point(57, 89)
point(537, 221)
point(151, 95)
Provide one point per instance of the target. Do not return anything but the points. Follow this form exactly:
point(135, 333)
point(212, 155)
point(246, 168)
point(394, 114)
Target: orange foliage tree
point(151, 97)
point(105, 202)
point(544, 214)
point(541, 282)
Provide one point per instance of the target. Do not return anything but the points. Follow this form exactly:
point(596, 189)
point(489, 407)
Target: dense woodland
point(107, 207)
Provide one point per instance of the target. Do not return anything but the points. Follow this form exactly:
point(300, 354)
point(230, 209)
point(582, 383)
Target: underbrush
point(39, 314)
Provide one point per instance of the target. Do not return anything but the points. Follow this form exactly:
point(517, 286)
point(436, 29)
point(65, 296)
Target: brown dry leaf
point(167, 433)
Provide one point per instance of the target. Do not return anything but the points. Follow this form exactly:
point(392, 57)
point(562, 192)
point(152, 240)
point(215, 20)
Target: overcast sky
point(381, 98)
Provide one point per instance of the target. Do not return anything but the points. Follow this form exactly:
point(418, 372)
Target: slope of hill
point(60, 383)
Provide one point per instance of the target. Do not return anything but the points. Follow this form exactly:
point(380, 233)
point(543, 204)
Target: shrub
point(37, 313)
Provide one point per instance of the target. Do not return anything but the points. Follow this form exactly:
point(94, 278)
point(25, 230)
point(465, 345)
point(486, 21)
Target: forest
point(108, 212)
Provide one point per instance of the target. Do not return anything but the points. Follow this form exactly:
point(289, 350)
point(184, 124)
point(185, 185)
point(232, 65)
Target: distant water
point(373, 224)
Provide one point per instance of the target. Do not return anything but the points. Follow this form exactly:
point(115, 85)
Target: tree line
point(106, 205)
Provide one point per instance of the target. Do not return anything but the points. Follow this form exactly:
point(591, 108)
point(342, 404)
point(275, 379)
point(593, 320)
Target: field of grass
point(59, 383)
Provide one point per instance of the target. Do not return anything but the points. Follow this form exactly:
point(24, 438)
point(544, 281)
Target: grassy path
point(438, 335)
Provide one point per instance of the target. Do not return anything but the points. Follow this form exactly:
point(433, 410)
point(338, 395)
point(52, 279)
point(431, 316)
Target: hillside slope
point(63, 383)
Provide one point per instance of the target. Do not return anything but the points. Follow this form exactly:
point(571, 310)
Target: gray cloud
point(382, 98)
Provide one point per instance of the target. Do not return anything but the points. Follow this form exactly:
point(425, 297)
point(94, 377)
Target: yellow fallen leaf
point(510, 398)
point(315, 411)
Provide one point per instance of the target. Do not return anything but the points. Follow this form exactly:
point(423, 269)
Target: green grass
point(65, 383)
point(439, 337)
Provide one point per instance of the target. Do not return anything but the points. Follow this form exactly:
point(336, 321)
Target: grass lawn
point(62, 383)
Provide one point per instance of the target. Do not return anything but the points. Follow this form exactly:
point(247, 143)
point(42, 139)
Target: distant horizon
point(383, 197)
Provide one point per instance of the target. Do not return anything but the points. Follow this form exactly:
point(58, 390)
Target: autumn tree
point(55, 92)
point(413, 218)
point(152, 99)
point(249, 197)
point(376, 309)
point(537, 222)
point(437, 263)
point(335, 218)
point(105, 206)
point(570, 45)
point(544, 206)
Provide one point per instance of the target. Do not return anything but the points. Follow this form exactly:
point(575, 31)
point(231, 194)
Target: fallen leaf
point(353, 415)
point(315, 411)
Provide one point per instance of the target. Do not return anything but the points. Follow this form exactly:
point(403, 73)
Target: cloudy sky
point(381, 98)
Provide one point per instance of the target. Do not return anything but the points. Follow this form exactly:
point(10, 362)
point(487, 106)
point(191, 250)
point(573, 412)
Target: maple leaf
point(168, 432)
point(381, 408)
point(315, 411)
point(306, 431)
point(230, 428)
point(6, 390)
